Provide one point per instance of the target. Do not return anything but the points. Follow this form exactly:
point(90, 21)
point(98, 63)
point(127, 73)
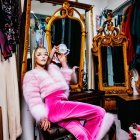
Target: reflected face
point(41, 57)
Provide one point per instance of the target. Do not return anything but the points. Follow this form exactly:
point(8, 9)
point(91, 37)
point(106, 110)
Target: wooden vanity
point(128, 108)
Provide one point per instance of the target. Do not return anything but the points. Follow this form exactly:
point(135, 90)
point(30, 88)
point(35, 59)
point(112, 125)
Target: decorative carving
point(68, 12)
point(111, 37)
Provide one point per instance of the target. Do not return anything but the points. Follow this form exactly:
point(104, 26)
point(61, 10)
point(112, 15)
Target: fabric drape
point(127, 31)
point(69, 33)
point(9, 99)
point(89, 57)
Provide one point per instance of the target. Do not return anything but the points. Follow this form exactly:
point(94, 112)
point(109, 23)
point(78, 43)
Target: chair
point(55, 133)
point(58, 133)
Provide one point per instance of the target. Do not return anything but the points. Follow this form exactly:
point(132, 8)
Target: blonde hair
point(33, 55)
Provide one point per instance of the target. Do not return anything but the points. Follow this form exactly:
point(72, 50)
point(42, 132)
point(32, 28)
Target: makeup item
point(63, 49)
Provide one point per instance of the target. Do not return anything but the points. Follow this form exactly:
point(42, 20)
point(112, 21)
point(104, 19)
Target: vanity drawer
point(110, 104)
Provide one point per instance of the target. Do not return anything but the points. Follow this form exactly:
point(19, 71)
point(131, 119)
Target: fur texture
point(107, 122)
point(38, 84)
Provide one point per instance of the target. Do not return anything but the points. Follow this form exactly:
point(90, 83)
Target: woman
point(44, 91)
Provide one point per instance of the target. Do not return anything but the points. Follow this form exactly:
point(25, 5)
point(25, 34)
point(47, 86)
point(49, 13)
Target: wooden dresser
point(90, 96)
point(128, 110)
point(1, 132)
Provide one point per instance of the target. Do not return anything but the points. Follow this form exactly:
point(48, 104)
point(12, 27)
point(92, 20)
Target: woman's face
point(41, 56)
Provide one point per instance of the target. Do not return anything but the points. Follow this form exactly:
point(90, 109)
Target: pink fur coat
point(39, 83)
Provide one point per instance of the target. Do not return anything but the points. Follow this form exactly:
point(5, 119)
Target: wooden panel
point(128, 110)
point(92, 97)
point(1, 132)
point(110, 104)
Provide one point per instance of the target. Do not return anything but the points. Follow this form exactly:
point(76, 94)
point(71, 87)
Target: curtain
point(9, 88)
point(9, 99)
point(68, 31)
point(89, 56)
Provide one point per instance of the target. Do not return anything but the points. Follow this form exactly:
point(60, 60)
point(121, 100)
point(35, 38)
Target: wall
point(113, 4)
point(100, 5)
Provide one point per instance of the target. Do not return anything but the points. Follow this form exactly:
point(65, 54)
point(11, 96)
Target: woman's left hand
point(53, 51)
point(45, 124)
point(62, 58)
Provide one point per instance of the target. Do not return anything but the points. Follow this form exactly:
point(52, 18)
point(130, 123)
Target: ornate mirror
point(110, 46)
point(65, 26)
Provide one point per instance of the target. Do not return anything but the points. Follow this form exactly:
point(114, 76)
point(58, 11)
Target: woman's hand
point(74, 75)
point(62, 59)
point(45, 124)
point(53, 51)
point(74, 68)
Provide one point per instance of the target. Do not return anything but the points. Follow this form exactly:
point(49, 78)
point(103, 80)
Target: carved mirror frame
point(110, 36)
point(67, 14)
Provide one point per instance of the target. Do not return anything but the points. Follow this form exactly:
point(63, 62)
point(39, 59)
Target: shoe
point(106, 124)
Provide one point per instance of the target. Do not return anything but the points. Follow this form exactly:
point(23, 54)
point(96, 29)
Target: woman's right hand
point(53, 51)
point(45, 124)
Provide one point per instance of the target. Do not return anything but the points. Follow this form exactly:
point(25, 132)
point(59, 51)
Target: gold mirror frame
point(111, 36)
point(26, 40)
point(68, 14)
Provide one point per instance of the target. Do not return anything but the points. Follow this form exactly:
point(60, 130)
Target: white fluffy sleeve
point(67, 73)
point(32, 97)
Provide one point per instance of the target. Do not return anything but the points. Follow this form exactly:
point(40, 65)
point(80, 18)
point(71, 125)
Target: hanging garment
point(135, 31)
point(127, 31)
point(11, 11)
point(9, 99)
point(6, 49)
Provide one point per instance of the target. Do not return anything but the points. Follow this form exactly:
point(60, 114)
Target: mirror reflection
point(68, 31)
point(112, 66)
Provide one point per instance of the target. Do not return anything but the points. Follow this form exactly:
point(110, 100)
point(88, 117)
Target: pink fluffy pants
point(69, 114)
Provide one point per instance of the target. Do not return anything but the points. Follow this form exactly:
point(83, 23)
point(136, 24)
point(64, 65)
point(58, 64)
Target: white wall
point(43, 8)
point(113, 4)
point(49, 9)
point(100, 5)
